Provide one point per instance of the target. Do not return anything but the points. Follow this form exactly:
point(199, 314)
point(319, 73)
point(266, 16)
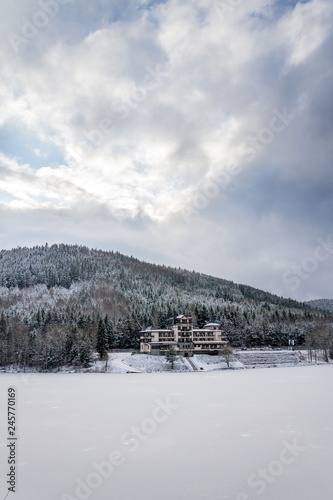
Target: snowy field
point(128, 362)
point(236, 435)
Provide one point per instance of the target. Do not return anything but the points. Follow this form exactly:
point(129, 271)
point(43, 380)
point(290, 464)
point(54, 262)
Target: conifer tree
point(171, 355)
point(102, 341)
point(109, 332)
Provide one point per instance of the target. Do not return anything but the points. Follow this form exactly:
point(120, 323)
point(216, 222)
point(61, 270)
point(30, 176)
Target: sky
point(190, 133)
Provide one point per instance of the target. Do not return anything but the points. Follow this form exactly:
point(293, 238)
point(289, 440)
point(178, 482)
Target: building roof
point(157, 330)
point(205, 330)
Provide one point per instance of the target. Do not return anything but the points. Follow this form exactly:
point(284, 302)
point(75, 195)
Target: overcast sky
point(191, 133)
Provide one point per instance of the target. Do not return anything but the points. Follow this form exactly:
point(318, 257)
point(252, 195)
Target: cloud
point(305, 29)
point(126, 113)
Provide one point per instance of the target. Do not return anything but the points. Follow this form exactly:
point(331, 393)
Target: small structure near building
point(184, 338)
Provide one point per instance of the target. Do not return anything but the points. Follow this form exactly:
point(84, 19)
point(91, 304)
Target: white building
point(184, 338)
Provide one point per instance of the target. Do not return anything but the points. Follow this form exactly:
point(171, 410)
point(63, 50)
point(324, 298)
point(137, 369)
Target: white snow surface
point(205, 362)
point(126, 362)
point(222, 435)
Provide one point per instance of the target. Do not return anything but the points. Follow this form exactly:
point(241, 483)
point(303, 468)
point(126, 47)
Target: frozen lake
point(236, 435)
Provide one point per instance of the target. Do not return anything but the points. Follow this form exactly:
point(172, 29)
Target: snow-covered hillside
point(324, 304)
point(60, 303)
point(228, 435)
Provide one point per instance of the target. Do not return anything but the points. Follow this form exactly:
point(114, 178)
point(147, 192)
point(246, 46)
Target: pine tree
point(109, 332)
point(4, 341)
point(102, 341)
point(171, 355)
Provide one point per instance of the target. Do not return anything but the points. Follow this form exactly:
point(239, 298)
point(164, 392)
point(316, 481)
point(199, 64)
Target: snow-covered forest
point(61, 303)
point(325, 304)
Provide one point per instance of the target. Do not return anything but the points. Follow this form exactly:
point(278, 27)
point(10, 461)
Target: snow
point(222, 435)
point(205, 362)
point(149, 363)
point(129, 362)
point(276, 358)
point(117, 363)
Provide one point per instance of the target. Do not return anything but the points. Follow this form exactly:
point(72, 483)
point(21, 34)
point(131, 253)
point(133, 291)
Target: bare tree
point(319, 342)
point(227, 351)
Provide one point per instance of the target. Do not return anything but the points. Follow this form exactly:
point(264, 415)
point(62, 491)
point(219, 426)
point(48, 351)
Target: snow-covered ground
point(117, 363)
point(222, 435)
point(269, 358)
point(206, 362)
point(148, 363)
point(127, 362)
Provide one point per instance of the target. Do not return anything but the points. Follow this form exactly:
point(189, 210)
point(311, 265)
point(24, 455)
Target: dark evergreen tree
point(171, 356)
point(109, 333)
point(102, 340)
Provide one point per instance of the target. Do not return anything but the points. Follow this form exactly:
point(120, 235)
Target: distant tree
point(109, 332)
point(84, 352)
point(171, 355)
point(102, 341)
point(202, 315)
point(227, 351)
point(6, 349)
point(319, 340)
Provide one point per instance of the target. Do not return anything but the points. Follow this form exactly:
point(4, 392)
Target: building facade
point(184, 338)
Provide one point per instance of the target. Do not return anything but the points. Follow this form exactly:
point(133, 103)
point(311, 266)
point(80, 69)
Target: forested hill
point(56, 301)
point(63, 265)
point(324, 304)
